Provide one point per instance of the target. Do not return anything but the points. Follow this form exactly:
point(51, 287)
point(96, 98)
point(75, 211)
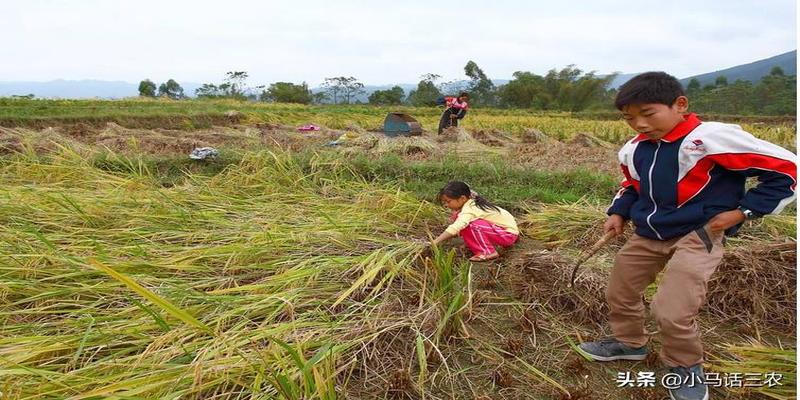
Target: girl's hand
point(441, 238)
point(725, 220)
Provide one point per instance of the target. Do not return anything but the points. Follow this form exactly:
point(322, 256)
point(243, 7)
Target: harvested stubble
point(754, 283)
point(751, 286)
point(757, 286)
point(123, 140)
point(21, 140)
point(544, 278)
point(559, 156)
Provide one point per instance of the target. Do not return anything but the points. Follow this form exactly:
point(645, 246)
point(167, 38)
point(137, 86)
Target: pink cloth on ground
point(481, 236)
point(309, 127)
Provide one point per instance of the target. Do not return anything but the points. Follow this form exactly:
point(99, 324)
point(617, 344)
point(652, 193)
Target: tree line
point(567, 89)
point(774, 94)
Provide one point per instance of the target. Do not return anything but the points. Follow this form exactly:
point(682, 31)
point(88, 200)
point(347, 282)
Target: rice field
point(189, 114)
point(113, 285)
point(286, 274)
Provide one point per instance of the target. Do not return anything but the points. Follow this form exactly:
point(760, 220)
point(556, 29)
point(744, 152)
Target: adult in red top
point(455, 109)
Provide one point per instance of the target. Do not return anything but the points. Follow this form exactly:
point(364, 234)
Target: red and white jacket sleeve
point(776, 168)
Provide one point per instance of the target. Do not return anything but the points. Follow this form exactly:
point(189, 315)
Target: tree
point(776, 93)
point(569, 89)
point(523, 91)
point(426, 92)
point(721, 81)
point(147, 88)
point(735, 98)
point(285, 92)
point(171, 89)
point(344, 88)
point(693, 86)
point(235, 87)
point(320, 98)
point(208, 90)
point(392, 96)
point(481, 88)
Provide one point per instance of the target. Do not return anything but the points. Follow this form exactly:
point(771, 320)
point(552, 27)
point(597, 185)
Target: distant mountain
point(752, 72)
point(87, 88)
point(407, 87)
point(118, 89)
point(620, 80)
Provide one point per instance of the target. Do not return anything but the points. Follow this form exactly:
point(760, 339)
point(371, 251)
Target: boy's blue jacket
point(678, 183)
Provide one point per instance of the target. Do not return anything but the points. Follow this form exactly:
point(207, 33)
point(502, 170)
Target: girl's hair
point(456, 189)
point(464, 94)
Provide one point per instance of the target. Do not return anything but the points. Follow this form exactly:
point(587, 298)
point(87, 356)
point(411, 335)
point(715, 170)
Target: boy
point(455, 108)
point(683, 190)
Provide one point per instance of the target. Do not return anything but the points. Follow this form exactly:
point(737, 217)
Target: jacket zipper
point(650, 177)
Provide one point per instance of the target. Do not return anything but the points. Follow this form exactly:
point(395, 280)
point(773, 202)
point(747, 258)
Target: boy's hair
point(456, 189)
point(649, 87)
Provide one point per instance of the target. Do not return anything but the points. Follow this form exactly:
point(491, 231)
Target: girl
point(480, 223)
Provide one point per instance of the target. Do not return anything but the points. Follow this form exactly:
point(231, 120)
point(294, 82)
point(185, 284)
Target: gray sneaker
point(693, 383)
point(610, 349)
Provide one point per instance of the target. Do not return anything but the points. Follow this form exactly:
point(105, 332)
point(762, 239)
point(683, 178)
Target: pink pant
point(481, 236)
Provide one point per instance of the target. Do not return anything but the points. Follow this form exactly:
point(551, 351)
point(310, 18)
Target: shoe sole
point(630, 357)
point(673, 397)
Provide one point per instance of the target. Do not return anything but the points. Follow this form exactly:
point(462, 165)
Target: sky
point(381, 42)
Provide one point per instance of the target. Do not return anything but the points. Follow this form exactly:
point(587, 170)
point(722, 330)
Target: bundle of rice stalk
point(580, 224)
point(406, 146)
point(493, 138)
point(456, 134)
point(772, 227)
point(448, 284)
point(760, 369)
point(757, 285)
point(576, 224)
point(364, 140)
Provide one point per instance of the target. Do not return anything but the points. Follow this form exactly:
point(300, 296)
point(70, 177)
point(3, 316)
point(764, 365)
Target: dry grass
point(544, 280)
point(757, 285)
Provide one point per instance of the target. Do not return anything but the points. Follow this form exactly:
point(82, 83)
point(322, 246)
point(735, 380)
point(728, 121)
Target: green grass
point(506, 185)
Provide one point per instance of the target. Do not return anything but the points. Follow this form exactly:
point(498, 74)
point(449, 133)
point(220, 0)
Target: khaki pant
point(690, 260)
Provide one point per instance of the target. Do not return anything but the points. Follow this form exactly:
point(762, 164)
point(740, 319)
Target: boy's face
point(654, 119)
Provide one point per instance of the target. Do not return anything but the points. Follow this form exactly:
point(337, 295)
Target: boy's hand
point(725, 220)
point(615, 223)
